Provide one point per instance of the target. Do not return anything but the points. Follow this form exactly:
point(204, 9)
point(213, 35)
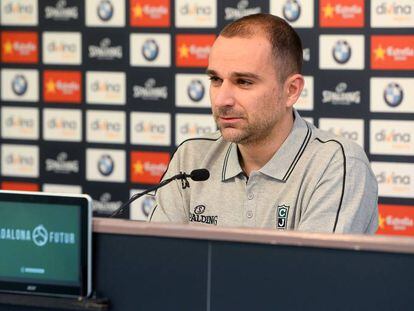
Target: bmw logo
point(291, 10)
point(105, 10)
point(195, 90)
point(106, 165)
point(19, 85)
point(147, 204)
point(393, 94)
point(150, 50)
point(341, 51)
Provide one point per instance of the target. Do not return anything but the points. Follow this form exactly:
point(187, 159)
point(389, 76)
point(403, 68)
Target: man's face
point(246, 97)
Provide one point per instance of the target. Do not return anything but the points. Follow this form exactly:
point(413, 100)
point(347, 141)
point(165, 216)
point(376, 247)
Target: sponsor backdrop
point(97, 94)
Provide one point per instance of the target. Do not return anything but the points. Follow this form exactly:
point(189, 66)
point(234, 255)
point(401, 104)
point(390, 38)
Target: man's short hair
point(286, 44)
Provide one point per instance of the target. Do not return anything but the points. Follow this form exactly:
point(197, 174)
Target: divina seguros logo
point(40, 236)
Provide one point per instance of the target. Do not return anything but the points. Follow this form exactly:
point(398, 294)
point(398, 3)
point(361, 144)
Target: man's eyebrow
point(211, 72)
point(250, 75)
point(246, 75)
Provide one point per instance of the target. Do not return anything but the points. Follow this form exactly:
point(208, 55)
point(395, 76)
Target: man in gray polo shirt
point(268, 167)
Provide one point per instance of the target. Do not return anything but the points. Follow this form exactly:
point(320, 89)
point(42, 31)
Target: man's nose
point(224, 94)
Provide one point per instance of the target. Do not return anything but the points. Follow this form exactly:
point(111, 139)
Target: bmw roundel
point(106, 165)
point(19, 85)
point(291, 10)
point(341, 51)
point(105, 10)
point(393, 94)
point(150, 50)
point(195, 90)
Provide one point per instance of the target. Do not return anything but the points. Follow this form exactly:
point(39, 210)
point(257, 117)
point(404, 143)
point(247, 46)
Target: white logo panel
point(305, 101)
point(150, 50)
point(62, 124)
point(341, 52)
point(62, 48)
point(392, 14)
point(20, 85)
point(394, 179)
point(352, 129)
point(105, 13)
point(19, 13)
point(105, 87)
point(19, 123)
point(141, 208)
point(20, 161)
point(300, 13)
point(392, 95)
point(195, 13)
point(58, 188)
point(192, 90)
point(106, 165)
point(148, 128)
point(192, 125)
point(392, 137)
point(105, 126)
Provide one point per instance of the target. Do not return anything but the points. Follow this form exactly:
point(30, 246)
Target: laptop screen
point(45, 243)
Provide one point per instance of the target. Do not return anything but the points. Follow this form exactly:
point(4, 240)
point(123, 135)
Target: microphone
point(197, 175)
point(201, 174)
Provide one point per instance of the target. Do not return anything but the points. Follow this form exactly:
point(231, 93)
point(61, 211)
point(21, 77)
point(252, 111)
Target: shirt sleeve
point(170, 202)
point(345, 199)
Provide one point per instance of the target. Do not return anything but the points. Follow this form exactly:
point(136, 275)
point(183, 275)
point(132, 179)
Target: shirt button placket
point(250, 220)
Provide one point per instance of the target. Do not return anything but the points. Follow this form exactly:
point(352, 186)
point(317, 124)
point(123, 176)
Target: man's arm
point(344, 200)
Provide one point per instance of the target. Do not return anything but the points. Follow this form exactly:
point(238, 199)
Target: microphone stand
point(119, 210)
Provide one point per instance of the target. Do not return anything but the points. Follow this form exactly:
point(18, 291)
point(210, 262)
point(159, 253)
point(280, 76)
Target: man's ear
point(293, 88)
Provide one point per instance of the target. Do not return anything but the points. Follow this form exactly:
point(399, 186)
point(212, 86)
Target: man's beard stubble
point(249, 134)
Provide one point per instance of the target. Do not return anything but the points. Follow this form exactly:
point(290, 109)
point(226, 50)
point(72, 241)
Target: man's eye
point(214, 79)
point(244, 82)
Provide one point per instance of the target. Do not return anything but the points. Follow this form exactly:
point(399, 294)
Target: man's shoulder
point(325, 141)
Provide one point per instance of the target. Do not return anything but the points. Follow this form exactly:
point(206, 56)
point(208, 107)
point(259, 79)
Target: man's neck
point(254, 155)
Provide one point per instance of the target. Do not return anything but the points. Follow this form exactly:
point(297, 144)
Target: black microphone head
point(200, 174)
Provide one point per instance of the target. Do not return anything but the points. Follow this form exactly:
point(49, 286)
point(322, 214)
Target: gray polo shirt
point(315, 182)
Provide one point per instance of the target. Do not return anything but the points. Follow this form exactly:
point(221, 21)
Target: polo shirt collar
point(231, 165)
point(283, 161)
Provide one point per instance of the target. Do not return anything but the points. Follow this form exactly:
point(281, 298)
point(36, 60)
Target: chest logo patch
point(282, 213)
point(199, 216)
